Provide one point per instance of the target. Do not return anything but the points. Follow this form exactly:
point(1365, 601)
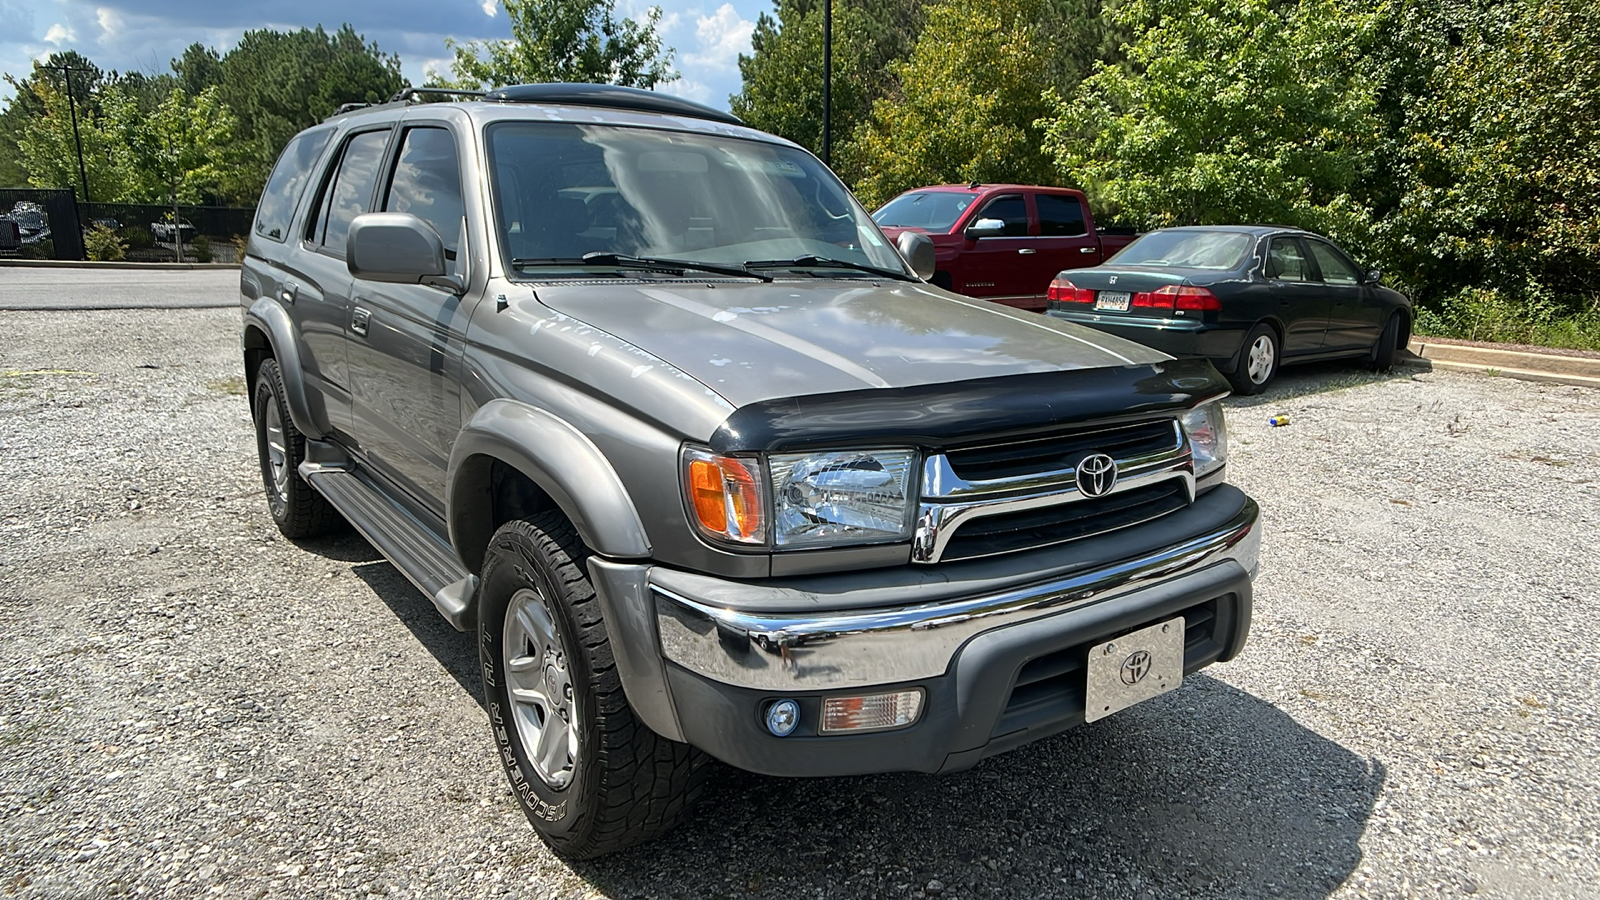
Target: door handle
point(1027, 250)
point(360, 320)
point(289, 291)
point(1087, 250)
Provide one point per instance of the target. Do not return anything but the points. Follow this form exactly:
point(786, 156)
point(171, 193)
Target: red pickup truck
point(1002, 242)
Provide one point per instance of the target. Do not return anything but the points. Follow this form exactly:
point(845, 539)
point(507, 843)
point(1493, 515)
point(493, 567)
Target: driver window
point(1010, 210)
point(1286, 261)
point(1334, 269)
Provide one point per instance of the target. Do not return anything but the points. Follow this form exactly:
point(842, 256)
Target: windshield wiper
point(823, 262)
point(650, 263)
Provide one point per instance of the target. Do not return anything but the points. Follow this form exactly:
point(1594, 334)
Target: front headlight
point(846, 497)
point(1208, 437)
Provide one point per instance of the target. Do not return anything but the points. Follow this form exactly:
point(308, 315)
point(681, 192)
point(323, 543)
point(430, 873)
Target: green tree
point(25, 104)
point(1227, 111)
point(179, 148)
point(48, 149)
point(564, 40)
point(280, 83)
point(969, 98)
point(782, 75)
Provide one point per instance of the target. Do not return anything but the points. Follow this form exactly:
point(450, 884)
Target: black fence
point(46, 223)
point(51, 225)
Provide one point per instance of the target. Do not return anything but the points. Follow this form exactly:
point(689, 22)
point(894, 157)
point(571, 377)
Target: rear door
point(1354, 315)
point(406, 340)
point(992, 267)
point(1298, 297)
point(1065, 241)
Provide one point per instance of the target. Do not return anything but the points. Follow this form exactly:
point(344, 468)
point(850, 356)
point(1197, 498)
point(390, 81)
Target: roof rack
point(407, 94)
point(349, 107)
point(612, 96)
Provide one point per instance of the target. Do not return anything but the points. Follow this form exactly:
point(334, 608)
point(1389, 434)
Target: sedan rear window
point(1221, 250)
point(932, 210)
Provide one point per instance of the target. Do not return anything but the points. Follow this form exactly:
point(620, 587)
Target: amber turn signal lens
point(726, 496)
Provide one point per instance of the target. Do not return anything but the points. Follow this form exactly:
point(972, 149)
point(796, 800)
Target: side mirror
point(1374, 276)
point(398, 248)
point(917, 248)
point(985, 228)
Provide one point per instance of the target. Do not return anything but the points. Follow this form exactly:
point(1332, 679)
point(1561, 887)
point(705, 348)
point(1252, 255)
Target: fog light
point(782, 717)
point(874, 712)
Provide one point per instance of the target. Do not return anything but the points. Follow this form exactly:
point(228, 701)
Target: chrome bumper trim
point(797, 652)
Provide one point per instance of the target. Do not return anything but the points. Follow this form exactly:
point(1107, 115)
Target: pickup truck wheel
point(589, 776)
point(297, 509)
point(1258, 361)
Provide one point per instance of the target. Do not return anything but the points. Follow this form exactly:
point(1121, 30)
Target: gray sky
point(143, 35)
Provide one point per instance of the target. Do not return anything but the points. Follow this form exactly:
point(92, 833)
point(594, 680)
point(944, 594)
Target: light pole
point(77, 141)
point(827, 82)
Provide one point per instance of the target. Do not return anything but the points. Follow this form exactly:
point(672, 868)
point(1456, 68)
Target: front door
point(992, 267)
point(406, 340)
point(1064, 240)
point(1354, 316)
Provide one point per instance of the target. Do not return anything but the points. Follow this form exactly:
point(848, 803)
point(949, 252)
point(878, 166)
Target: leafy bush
point(1489, 314)
point(201, 245)
point(103, 245)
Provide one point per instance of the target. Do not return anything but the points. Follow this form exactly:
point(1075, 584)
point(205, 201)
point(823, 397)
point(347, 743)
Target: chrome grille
point(1020, 496)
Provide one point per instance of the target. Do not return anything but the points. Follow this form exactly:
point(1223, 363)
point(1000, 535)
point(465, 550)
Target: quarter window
point(350, 190)
point(1011, 210)
point(1334, 268)
point(286, 184)
point(427, 182)
point(1060, 216)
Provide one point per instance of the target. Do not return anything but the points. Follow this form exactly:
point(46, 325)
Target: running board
point(413, 548)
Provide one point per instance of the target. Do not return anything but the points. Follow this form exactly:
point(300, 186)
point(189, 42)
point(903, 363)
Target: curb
point(85, 264)
point(1550, 368)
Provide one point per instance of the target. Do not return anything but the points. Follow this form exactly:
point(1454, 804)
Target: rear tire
point(1258, 361)
point(1388, 345)
point(590, 777)
point(297, 509)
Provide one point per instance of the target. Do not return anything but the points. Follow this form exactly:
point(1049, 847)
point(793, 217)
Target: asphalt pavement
point(68, 288)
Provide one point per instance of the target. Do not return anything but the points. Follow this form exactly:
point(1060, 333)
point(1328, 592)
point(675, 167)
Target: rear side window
point(427, 182)
point(1012, 210)
point(1060, 216)
point(349, 191)
point(287, 183)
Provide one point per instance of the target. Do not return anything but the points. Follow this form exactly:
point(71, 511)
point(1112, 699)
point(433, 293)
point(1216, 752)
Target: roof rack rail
point(612, 96)
point(349, 107)
point(407, 94)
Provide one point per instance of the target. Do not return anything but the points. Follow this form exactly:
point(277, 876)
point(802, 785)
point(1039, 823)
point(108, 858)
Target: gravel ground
point(191, 706)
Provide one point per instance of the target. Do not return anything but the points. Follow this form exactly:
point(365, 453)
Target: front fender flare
point(558, 458)
point(266, 315)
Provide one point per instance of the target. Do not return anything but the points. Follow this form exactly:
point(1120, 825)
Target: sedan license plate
point(1133, 668)
point(1114, 300)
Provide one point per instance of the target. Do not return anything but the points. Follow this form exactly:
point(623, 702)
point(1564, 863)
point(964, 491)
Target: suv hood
point(751, 343)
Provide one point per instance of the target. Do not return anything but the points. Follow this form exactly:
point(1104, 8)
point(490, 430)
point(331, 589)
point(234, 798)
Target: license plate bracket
point(1117, 301)
point(1133, 668)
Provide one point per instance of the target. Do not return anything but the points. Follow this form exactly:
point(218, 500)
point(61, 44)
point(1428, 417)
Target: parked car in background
point(10, 237)
point(165, 231)
point(33, 225)
point(1248, 297)
point(1002, 242)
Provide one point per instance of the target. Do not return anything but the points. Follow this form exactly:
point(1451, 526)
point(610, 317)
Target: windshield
point(1221, 250)
point(566, 190)
point(932, 210)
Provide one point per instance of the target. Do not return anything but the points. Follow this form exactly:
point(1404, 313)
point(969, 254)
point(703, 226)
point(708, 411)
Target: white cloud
point(490, 7)
point(687, 89)
point(723, 35)
point(60, 34)
point(110, 24)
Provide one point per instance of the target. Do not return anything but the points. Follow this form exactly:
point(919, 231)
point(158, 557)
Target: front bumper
point(1000, 655)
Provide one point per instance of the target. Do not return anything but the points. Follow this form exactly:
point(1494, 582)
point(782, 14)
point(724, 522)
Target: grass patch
point(233, 385)
point(1485, 314)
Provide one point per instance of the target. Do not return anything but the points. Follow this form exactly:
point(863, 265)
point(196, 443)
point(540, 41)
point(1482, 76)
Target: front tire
point(1258, 361)
point(589, 776)
point(297, 509)
point(1388, 345)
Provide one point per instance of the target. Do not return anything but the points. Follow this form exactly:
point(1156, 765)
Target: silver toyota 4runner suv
point(642, 398)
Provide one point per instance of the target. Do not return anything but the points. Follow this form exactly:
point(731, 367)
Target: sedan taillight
point(1064, 291)
point(1175, 296)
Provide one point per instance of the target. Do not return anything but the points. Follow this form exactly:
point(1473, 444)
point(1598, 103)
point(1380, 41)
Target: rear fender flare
point(561, 460)
point(268, 317)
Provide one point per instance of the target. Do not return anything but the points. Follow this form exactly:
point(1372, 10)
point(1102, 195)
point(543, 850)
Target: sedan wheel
point(1258, 361)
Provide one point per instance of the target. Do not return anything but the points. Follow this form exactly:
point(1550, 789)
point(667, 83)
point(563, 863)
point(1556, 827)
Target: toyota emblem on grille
point(1136, 667)
point(1097, 475)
